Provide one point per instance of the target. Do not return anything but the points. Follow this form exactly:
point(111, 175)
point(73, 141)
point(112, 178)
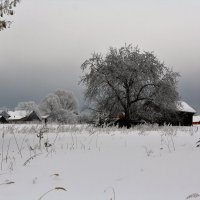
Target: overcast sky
point(50, 39)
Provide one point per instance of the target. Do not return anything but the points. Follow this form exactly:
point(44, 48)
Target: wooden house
point(182, 116)
point(32, 117)
point(4, 114)
point(185, 114)
point(3, 120)
point(21, 116)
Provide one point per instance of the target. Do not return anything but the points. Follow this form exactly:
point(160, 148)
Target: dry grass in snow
point(81, 162)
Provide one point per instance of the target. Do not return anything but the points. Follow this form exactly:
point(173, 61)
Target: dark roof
point(5, 114)
point(33, 117)
point(3, 120)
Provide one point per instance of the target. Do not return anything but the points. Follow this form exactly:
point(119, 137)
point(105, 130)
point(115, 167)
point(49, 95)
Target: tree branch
point(116, 93)
point(138, 98)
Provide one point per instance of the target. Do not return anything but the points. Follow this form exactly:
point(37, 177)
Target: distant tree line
point(60, 106)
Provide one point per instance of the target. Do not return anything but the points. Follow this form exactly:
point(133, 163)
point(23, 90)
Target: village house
point(4, 114)
point(182, 116)
point(3, 120)
point(21, 116)
point(185, 114)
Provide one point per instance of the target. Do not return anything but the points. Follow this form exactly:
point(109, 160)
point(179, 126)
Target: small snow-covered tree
point(126, 78)
point(61, 106)
point(86, 117)
point(6, 8)
point(49, 104)
point(67, 100)
point(63, 116)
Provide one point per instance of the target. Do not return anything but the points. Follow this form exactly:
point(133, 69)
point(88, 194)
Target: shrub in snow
point(85, 118)
point(67, 100)
point(61, 107)
point(50, 104)
point(63, 116)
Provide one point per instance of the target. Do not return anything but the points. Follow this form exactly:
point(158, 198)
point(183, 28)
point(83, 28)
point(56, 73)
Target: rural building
point(185, 114)
point(45, 118)
point(3, 120)
point(196, 120)
point(21, 116)
point(4, 114)
point(32, 117)
point(182, 116)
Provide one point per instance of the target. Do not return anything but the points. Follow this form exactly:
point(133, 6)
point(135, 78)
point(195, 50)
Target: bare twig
point(8, 150)
point(56, 188)
point(7, 183)
point(194, 195)
point(31, 158)
point(2, 149)
point(17, 145)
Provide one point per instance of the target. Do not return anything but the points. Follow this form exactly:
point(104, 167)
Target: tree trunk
point(128, 107)
point(127, 118)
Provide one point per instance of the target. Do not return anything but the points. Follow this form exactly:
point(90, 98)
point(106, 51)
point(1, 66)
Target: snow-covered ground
point(87, 163)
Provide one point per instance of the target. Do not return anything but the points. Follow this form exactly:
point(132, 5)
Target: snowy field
point(87, 163)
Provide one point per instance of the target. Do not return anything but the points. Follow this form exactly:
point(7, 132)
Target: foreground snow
point(144, 163)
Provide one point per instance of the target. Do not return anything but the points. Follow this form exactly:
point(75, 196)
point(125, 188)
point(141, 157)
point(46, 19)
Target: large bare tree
point(6, 8)
point(127, 78)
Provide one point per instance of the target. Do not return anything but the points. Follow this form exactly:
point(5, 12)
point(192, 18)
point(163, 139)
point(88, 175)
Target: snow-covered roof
point(44, 116)
point(196, 118)
point(184, 107)
point(19, 114)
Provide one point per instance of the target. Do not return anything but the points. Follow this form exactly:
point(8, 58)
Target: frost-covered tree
point(60, 106)
point(63, 116)
point(50, 104)
point(67, 100)
point(6, 9)
point(86, 117)
point(126, 78)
